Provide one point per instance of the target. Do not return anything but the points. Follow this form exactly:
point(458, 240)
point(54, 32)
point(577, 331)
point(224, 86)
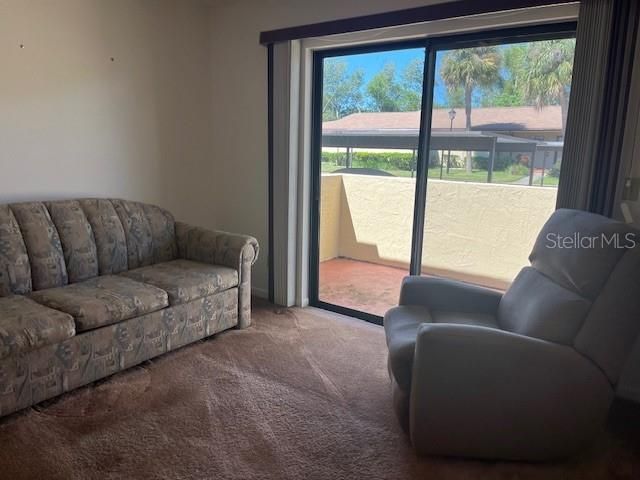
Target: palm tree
point(546, 78)
point(468, 68)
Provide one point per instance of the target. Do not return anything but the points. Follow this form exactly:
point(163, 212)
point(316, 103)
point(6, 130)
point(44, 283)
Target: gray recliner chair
point(528, 375)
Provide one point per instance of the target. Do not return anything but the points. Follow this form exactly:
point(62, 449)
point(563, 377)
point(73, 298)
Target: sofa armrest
point(215, 247)
point(222, 248)
point(488, 393)
point(448, 295)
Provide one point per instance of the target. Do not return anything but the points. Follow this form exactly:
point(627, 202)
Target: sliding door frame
point(316, 164)
point(431, 45)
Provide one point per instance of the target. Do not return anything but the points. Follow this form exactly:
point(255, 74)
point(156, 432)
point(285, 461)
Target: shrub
point(456, 161)
point(380, 160)
point(500, 162)
point(518, 169)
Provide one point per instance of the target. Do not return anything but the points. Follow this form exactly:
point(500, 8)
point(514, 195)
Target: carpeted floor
point(302, 394)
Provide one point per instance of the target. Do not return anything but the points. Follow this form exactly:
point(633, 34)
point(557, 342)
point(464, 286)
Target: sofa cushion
point(25, 325)
point(15, 270)
point(401, 328)
point(48, 269)
point(185, 280)
point(107, 229)
point(103, 300)
point(76, 236)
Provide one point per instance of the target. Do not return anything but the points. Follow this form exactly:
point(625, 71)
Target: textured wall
point(330, 211)
point(474, 231)
point(377, 218)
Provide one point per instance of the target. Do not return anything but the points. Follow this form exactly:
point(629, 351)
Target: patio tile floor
point(360, 285)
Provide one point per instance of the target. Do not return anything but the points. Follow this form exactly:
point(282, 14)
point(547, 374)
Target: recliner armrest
point(488, 393)
point(448, 295)
point(215, 247)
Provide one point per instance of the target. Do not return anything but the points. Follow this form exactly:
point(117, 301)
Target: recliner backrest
point(47, 245)
point(574, 292)
point(612, 325)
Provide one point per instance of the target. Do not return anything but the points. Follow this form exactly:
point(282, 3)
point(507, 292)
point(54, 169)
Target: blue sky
point(372, 63)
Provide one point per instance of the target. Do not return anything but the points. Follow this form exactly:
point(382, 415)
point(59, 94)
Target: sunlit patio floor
point(360, 285)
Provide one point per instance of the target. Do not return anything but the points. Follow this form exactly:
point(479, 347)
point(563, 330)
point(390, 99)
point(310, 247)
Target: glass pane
point(371, 119)
point(497, 135)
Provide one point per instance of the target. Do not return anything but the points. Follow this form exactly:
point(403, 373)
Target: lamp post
point(452, 117)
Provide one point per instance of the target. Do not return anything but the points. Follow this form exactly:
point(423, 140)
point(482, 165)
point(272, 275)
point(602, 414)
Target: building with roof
point(534, 132)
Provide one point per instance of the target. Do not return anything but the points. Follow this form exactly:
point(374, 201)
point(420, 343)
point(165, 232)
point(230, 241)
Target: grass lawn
point(461, 175)
point(550, 181)
point(329, 168)
point(457, 174)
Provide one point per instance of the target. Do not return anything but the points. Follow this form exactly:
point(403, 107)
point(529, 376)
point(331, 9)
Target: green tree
point(455, 97)
point(507, 92)
point(546, 77)
point(384, 91)
point(412, 78)
point(342, 92)
point(470, 68)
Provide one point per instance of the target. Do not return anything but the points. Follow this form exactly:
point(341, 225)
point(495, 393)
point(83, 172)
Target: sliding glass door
point(439, 157)
point(497, 128)
point(368, 140)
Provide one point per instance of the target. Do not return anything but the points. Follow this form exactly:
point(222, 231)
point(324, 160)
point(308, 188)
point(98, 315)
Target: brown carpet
point(300, 395)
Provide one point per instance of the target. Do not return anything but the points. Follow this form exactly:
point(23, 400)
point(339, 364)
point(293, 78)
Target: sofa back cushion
point(108, 233)
point(48, 269)
point(149, 233)
point(76, 237)
point(137, 232)
point(48, 245)
point(15, 270)
point(163, 233)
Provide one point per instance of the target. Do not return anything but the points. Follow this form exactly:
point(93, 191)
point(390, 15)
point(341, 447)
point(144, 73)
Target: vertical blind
point(605, 46)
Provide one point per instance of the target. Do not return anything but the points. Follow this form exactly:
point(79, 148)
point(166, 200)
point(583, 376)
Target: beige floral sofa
point(94, 286)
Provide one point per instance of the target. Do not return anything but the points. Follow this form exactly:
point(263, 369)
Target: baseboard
point(260, 292)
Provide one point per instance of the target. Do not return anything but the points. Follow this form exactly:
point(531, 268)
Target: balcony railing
point(476, 232)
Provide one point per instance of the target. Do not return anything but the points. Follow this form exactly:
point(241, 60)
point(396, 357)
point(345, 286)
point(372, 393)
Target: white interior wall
point(75, 123)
